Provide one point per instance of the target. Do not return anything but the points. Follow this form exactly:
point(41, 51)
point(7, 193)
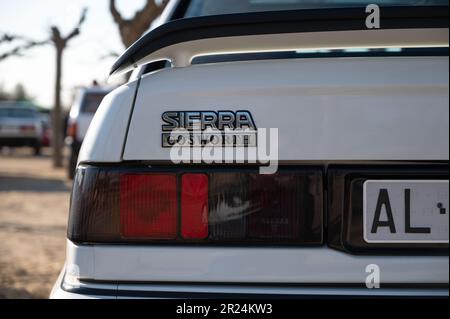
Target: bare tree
point(131, 29)
point(60, 43)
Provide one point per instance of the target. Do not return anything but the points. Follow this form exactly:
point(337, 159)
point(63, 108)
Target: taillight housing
point(72, 128)
point(197, 206)
point(27, 128)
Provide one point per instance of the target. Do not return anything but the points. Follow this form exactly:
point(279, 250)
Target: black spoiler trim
point(276, 22)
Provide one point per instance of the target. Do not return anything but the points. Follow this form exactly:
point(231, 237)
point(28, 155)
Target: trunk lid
point(359, 108)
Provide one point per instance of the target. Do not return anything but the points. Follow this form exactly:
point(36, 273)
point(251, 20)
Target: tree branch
point(60, 41)
point(108, 55)
point(56, 35)
point(150, 11)
point(76, 30)
point(150, 6)
point(20, 49)
point(131, 29)
point(9, 38)
point(115, 13)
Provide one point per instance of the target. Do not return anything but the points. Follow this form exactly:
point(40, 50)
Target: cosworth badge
point(208, 128)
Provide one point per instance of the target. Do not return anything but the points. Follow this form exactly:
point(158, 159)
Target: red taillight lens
point(148, 206)
point(233, 206)
point(72, 130)
point(194, 206)
point(27, 128)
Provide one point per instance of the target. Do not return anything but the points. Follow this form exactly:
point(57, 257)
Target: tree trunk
point(56, 118)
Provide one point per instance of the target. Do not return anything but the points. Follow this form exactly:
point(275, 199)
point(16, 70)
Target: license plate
point(9, 129)
point(406, 211)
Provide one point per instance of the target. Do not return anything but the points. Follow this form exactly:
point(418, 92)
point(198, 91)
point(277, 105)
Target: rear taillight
point(194, 206)
point(232, 206)
point(148, 206)
point(28, 128)
point(72, 129)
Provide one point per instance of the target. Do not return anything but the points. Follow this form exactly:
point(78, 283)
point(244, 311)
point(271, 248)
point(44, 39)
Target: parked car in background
point(20, 125)
point(80, 116)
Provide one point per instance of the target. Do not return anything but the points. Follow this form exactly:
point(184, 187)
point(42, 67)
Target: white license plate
point(9, 129)
point(406, 211)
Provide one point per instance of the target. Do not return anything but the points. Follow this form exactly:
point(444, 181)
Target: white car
point(351, 198)
point(81, 113)
point(20, 125)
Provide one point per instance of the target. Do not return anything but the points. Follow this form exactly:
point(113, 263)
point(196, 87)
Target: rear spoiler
point(181, 40)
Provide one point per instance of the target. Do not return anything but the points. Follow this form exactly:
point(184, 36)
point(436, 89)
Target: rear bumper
point(19, 141)
point(272, 265)
point(114, 271)
point(60, 291)
point(94, 290)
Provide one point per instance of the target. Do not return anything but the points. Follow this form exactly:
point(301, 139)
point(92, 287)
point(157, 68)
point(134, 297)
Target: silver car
point(20, 125)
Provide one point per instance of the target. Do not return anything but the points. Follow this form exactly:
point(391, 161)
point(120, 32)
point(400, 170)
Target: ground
point(34, 203)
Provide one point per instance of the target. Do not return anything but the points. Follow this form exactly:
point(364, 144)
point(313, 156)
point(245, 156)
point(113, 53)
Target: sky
point(82, 61)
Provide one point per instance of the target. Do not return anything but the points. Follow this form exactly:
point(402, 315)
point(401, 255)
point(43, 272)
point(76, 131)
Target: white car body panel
point(83, 121)
point(247, 265)
point(398, 107)
point(105, 137)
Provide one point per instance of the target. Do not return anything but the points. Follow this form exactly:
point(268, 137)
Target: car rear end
point(347, 194)
point(20, 126)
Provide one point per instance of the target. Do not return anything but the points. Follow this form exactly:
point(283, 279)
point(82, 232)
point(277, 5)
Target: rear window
point(212, 7)
point(91, 102)
point(17, 113)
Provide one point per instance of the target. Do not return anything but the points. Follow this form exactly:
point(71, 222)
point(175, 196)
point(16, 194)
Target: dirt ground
point(34, 203)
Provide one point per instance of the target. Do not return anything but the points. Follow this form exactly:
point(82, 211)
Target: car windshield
point(16, 113)
point(212, 7)
point(91, 102)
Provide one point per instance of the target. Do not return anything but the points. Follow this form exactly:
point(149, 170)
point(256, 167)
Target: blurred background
point(54, 61)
